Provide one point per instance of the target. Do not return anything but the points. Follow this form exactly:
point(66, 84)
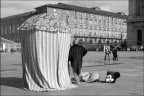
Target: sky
point(14, 7)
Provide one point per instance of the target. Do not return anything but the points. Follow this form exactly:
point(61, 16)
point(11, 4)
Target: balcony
point(135, 19)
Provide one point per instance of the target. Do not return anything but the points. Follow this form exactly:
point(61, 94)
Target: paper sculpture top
point(45, 22)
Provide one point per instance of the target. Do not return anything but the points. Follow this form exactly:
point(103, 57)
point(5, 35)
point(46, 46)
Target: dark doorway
point(139, 37)
point(108, 41)
point(99, 42)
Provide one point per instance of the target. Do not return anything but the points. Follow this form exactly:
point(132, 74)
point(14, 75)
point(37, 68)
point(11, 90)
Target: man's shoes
point(74, 81)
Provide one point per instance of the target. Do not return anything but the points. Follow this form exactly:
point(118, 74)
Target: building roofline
point(82, 9)
point(19, 15)
point(68, 7)
point(7, 40)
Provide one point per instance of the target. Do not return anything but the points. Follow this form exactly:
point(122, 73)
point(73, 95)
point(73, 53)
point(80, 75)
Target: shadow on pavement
point(91, 61)
point(133, 57)
point(11, 82)
point(101, 81)
point(3, 70)
point(103, 64)
point(17, 64)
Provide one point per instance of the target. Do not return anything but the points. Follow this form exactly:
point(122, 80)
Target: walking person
point(76, 53)
point(107, 51)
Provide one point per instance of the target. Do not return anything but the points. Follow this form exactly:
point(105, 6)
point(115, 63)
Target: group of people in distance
point(76, 53)
point(108, 50)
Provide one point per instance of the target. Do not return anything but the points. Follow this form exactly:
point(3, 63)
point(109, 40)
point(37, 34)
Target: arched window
point(104, 40)
point(80, 40)
point(95, 40)
point(115, 42)
point(99, 42)
point(108, 41)
point(90, 41)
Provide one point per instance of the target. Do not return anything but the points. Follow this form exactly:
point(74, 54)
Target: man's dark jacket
point(76, 54)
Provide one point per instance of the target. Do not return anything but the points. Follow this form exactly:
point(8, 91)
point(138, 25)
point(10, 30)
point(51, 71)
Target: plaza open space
point(130, 65)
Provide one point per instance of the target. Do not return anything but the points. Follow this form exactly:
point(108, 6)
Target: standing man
point(76, 53)
point(115, 55)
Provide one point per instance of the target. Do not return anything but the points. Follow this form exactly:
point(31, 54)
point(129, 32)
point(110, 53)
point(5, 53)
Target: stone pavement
point(130, 65)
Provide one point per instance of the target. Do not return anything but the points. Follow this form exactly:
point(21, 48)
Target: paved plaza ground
point(130, 65)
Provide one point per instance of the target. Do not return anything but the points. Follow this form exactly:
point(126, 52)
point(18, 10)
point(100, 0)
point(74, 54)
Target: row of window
point(100, 40)
point(98, 34)
point(98, 23)
point(13, 29)
point(9, 29)
point(91, 27)
point(101, 28)
point(86, 16)
point(82, 14)
point(81, 27)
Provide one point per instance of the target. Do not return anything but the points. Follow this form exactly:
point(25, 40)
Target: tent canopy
point(45, 22)
point(44, 54)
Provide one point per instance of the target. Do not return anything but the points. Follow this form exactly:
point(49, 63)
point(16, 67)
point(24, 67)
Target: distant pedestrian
point(12, 50)
point(115, 55)
point(76, 53)
point(107, 51)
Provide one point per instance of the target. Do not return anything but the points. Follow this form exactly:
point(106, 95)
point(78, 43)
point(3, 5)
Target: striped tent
point(45, 42)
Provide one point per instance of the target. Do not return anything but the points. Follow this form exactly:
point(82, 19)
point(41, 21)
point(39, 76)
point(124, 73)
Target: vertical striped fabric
point(45, 60)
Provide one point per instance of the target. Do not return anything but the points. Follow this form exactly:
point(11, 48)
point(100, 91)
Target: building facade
point(88, 24)
point(10, 24)
point(135, 23)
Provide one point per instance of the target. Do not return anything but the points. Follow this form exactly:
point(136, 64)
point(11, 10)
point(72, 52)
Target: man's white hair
point(73, 41)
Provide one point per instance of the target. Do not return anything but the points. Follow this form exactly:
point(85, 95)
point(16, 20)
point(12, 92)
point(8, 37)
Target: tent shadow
point(17, 64)
point(11, 82)
point(3, 70)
